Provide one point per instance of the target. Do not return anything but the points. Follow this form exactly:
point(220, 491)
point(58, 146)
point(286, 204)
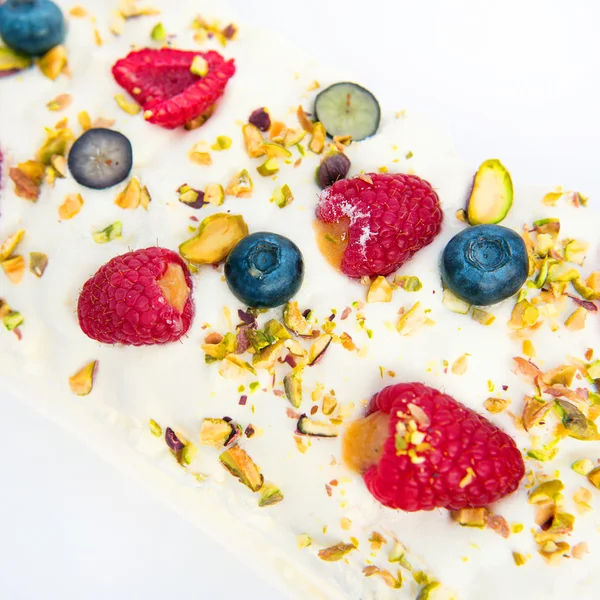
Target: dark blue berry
point(485, 264)
point(264, 270)
point(31, 26)
point(100, 158)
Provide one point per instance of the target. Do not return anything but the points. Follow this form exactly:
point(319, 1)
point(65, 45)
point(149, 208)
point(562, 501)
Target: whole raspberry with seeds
point(420, 449)
point(162, 83)
point(139, 298)
point(386, 218)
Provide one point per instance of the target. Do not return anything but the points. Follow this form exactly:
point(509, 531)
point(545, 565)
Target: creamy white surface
point(173, 385)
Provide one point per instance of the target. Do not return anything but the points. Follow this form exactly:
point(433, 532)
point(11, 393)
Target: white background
point(516, 80)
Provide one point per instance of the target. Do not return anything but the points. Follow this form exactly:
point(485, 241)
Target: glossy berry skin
point(459, 440)
point(485, 264)
point(264, 270)
point(31, 26)
point(391, 215)
point(100, 158)
point(123, 303)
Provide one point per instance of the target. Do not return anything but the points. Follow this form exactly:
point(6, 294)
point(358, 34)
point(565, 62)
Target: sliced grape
point(100, 158)
point(348, 109)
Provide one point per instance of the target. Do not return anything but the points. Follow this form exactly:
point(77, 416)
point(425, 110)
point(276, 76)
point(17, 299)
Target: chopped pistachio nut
point(267, 357)
point(10, 60)
point(200, 154)
point(520, 559)
point(282, 196)
point(10, 244)
point(529, 349)
point(409, 283)
point(523, 315)
point(483, 317)
point(54, 62)
point(317, 142)
point(82, 382)
point(459, 367)
point(576, 320)
point(108, 234)
point(240, 465)
point(158, 33)
point(14, 268)
point(214, 194)
point(130, 108)
point(61, 102)
point(223, 143)
point(38, 261)
point(292, 384)
point(155, 428)
point(594, 477)
point(233, 366)
point(329, 405)
point(583, 466)
point(554, 551)
point(496, 405)
point(380, 291)
point(268, 168)
point(253, 139)
point(454, 303)
point(199, 66)
point(12, 319)
point(188, 454)
point(303, 541)
point(337, 552)
point(546, 492)
point(240, 185)
point(318, 348)
point(412, 320)
point(269, 494)
point(216, 432)
point(70, 207)
point(470, 517)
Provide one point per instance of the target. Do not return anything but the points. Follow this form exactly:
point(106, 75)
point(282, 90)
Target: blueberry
point(264, 270)
point(485, 264)
point(100, 158)
point(31, 26)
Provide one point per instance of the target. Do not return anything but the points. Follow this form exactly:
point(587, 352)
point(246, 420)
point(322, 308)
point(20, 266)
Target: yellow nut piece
point(70, 207)
point(240, 185)
point(380, 291)
point(14, 268)
point(129, 107)
point(10, 244)
point(54, 62)
point(82, 382)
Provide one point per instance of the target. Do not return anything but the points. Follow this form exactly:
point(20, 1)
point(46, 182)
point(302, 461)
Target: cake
point(355, 329)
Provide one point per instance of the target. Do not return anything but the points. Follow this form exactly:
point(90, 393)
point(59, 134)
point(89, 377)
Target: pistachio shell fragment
point(38, 261)
point(337, 552)
point(240, 465)
point(108, 234)
point(10, 244)
point(216, 237)
point(270, 494)
point(82, 382)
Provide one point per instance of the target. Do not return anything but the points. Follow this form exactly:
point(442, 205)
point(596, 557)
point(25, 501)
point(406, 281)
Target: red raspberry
point(139, 298)
point(163, 85)
point(470, 462)
point(390, 219)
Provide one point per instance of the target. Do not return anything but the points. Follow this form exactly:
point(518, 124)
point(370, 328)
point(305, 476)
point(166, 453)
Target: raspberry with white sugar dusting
point(389, 217)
